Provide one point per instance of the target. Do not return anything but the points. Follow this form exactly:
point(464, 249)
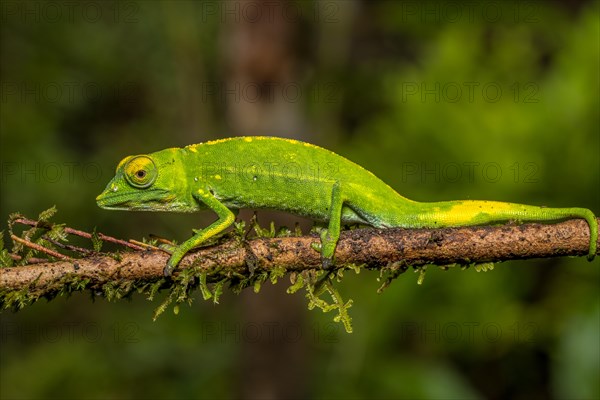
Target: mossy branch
point(371, 248)
point(242, 262)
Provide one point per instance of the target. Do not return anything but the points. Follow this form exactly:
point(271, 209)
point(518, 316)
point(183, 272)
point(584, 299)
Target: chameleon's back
point(268, 172)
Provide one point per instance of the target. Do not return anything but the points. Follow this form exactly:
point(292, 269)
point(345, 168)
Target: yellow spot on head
point(218, 177)
point(123, 161)
point(247, 139)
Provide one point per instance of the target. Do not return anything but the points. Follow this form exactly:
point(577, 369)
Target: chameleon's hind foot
point(326, 247)
point(327, 263)
point(327, 250)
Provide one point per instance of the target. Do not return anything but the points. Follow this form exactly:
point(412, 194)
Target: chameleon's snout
point(101, 199)
point(108, 199)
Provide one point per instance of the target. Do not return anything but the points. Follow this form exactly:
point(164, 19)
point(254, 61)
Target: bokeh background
point(442, 100)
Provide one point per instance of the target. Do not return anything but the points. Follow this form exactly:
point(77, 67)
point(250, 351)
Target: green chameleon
point(301, 178)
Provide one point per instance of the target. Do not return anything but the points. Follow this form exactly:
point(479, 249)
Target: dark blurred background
point(442, 100)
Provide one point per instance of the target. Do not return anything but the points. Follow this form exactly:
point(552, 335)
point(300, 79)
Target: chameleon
point(288, 175)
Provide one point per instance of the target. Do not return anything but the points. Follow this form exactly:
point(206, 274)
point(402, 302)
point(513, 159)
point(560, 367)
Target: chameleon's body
point(288, 175)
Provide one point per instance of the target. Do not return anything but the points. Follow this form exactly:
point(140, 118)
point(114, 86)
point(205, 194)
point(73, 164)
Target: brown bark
point(371, 247)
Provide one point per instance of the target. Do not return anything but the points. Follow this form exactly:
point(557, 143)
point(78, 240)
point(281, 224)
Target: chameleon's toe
point(316, 246)
point(169, 248)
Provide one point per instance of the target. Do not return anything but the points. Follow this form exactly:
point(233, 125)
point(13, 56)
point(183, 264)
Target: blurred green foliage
point(498, 101)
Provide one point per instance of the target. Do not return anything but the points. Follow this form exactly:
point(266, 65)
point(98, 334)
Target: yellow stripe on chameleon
point(210, 143)
point(464, 212)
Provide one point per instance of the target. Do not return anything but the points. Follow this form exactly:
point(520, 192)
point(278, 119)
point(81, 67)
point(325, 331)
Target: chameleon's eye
point(140, 172)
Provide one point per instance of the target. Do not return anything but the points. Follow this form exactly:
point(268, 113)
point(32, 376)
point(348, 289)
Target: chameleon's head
point(145, 182)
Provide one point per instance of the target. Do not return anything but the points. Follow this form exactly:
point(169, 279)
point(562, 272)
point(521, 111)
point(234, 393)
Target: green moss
point(276, 273)
point(5, 258)
point(206, 294)
point(96, 241)
point(483, 267)
point(390, 272)
point(421, 270)
point(316, 283)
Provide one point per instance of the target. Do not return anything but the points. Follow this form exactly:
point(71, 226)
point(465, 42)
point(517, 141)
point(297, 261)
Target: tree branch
point(371, 248)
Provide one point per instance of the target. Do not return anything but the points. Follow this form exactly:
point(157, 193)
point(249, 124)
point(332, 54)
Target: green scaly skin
point(300, 178)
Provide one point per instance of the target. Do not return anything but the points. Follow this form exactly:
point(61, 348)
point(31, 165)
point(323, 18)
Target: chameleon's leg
point(226, 218)
point(330, 236)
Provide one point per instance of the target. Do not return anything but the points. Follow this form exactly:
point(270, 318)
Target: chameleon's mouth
point(132, 201)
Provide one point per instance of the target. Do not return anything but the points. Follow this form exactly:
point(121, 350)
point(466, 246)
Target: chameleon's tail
point(473, 212)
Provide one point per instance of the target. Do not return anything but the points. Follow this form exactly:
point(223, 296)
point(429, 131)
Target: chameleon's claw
point(171, 264)
point(327, 263)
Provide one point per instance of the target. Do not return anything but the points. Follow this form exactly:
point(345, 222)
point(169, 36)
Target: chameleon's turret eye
point(140, 172)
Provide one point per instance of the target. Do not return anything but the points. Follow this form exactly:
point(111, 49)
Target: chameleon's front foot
point(168, 248)
point(168, 270)
point(172, 263)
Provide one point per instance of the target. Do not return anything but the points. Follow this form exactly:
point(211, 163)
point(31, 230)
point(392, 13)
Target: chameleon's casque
point(301, 178)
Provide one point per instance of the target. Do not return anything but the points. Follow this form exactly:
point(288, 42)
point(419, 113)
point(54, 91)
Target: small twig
point(104, 238)
point(32, 260)
point(37, 224)
point(69, 247)
point(146, 245)
point(86, 235)
point(161, 240)
point(39, 248)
